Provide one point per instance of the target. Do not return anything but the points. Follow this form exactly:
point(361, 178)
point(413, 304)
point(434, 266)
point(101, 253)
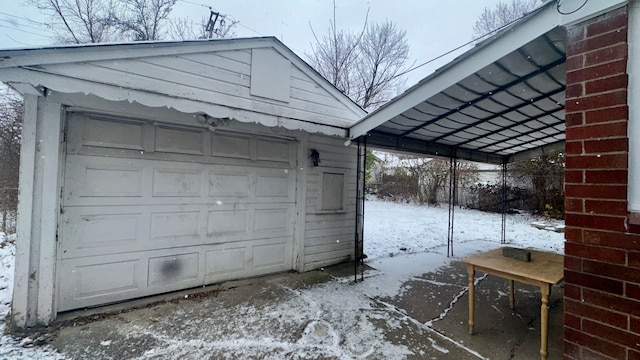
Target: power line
point(24, 31)
point(197, 4)
point(19, 42)
point(22, 18)
point(464, 45)
point(250, 29)
point(20, 25)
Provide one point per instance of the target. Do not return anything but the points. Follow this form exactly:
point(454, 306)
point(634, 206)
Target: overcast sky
point(433, 26)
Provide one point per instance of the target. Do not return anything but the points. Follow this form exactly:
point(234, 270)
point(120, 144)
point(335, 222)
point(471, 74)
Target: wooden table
point(544, 269)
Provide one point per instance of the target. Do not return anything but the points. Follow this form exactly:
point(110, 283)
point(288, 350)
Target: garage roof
point(250, 80)
point(501, 100)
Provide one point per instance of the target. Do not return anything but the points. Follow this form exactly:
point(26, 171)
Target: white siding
point(220, 78)
point(329, 235)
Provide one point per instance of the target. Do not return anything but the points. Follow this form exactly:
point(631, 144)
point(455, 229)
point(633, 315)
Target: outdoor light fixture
point(315, 157)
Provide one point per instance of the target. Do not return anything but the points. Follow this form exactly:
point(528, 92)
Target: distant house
point(153, 167)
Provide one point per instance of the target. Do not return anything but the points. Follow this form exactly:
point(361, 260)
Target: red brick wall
point(602, 251)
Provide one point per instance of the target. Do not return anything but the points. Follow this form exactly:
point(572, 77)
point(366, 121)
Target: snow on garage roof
point(501, 100)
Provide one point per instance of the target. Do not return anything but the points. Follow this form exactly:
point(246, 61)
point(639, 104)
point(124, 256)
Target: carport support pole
point(503, 237)
point(453, 164)
point(361, 168)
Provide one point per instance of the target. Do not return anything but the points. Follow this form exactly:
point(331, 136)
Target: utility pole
point(212, 22)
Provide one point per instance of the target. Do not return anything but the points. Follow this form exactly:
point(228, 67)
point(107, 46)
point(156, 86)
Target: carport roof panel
point(490, 112)
point(520, 87)
point(497, 102)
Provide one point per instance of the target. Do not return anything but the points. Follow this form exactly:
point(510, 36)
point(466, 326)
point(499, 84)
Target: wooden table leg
point(472, 296)
point(512, 301)
point(544, 320)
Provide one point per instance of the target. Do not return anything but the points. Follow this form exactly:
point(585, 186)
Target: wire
point(21, 18)
point(25, 31)
point(17, 26)
point(196, 4)
point(250, 29)
point(467, 43)
point(19, 42)
point(569, 12)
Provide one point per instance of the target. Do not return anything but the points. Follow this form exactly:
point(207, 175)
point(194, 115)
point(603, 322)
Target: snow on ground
point(7, 259)
point(402, 241)
point(391, 227)
point(11, 348)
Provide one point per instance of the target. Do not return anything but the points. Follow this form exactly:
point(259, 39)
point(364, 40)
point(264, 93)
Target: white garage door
point(151, 208)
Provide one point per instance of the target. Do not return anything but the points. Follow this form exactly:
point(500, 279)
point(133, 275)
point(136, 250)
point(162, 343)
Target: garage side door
point(151, 208)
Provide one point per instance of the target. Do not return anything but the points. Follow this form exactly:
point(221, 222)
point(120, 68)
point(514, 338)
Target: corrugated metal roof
point(501, 100)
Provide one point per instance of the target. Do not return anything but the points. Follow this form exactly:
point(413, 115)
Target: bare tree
point(10, 138)
point(434, 173)
point(80, 21)
point(94, 21)
point(545, 174)
point(504, 13)
point(368, 67)
point(334, 56)
point(467, 175)
point(143, 20)
point(384, 52)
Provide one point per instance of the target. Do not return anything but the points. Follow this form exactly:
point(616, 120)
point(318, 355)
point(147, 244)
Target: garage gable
point(255, 80)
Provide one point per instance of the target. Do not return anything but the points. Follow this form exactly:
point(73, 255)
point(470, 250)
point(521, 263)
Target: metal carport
point(501, 101)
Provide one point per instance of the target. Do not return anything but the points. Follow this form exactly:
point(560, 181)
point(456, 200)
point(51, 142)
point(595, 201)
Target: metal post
point(503, 238)
point(453, 164)
point(360, 198)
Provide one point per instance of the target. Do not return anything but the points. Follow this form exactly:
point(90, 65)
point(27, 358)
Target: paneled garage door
point(151, 208)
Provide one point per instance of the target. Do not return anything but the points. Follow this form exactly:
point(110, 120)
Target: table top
point(544, 266)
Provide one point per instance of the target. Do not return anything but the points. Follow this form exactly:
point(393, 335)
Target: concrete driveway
point(319, 315)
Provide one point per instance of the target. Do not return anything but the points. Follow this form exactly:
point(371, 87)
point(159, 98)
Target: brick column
point(602, 250)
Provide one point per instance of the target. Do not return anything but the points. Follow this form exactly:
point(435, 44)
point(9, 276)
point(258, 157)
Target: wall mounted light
point(315, 157)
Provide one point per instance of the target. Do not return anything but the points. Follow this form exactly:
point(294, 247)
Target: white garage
point(153, 167)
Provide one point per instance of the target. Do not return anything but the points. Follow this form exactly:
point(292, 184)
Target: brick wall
point(602, 250)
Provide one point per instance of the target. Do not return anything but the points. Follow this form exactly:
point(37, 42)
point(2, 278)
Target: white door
point(151, 208)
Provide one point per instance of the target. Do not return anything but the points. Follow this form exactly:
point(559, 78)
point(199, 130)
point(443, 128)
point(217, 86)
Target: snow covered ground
point(390, 227)
point(11, 348)
point(402, 241)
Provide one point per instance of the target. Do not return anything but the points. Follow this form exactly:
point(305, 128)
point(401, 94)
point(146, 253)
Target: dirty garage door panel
point(153, 208)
